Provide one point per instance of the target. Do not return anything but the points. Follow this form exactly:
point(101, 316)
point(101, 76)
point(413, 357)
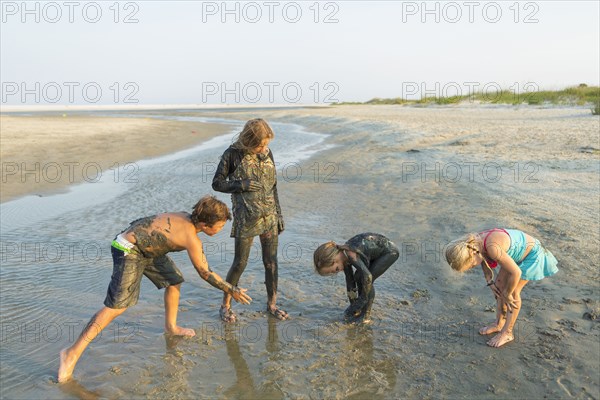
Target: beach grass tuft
point(580, 95)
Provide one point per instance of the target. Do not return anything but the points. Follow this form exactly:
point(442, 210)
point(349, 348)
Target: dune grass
point(577, 95)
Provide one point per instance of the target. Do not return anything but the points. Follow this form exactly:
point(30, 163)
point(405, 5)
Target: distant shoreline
point(576, 96)
point(144, 107)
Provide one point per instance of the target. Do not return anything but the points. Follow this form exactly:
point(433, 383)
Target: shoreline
point(10, 110)
point(146, 107)
point(46, 154)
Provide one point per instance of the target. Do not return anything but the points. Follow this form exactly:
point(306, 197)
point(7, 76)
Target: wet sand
point(392, 170)
point(424, 176)
point(44, 154)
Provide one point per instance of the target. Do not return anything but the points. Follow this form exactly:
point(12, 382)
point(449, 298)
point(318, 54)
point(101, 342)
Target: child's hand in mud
point(361, 319)
point(355, 309)
point(248, 185)
point(350, 317)
point(349, 313)
point(240, 295)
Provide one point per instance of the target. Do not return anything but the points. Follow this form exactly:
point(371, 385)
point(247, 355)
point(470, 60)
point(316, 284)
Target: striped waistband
point(122, 244)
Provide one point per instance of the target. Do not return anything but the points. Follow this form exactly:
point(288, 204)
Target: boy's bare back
point(159, 234)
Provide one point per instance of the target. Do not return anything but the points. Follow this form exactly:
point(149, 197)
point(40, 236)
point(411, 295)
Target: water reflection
point(75, 389)
point(245, 387)
point(373, 370)
point(174, 376)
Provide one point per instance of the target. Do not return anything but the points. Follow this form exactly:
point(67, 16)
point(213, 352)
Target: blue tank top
point(518, 245)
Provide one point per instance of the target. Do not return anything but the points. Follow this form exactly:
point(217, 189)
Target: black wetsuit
point(375, 254)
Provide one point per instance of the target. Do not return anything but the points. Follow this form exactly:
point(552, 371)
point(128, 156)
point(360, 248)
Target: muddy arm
point(220, 181)
point(366, 286)
point(351, 289)
point(198, 259)
point(280, 223)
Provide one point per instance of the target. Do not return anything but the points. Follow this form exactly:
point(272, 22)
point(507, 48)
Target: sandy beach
point(421, 176)
point(44, 154)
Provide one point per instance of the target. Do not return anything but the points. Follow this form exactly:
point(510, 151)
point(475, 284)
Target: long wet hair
point(458, 254)
point(210, 210)
point(254, 132)
point(325, 255)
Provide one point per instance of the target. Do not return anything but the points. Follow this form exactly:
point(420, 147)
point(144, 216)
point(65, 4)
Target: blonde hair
point(324, 256)
point(458, 254)
point(254, 132)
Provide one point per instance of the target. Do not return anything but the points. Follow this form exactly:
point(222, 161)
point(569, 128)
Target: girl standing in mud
point(521, 257)
point(371, 254)
point(247, 171)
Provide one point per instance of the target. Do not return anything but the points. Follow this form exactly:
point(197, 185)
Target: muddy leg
point(240, 260)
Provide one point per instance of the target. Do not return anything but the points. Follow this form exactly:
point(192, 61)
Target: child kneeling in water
point(521, 258)
point(371, 254)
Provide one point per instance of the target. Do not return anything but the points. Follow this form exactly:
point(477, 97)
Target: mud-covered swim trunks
point(128, 267)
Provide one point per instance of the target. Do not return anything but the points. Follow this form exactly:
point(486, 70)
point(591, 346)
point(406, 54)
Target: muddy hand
point(349, 312)
point(249, 185)
point(355, 309)
point(240, 296)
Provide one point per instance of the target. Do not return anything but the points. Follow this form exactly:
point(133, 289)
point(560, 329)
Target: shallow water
point(56, 265)
point(422, 342)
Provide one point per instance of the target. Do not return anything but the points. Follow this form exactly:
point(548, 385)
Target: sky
point(286, 52)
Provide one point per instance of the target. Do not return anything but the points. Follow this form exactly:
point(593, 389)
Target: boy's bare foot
point(501, 339)
point(491, 328)
point(179, 331)
point(65, 370)
point(278, 313)
point(227, 314)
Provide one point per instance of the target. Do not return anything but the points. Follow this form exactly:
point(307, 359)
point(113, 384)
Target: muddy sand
point(421, 176)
